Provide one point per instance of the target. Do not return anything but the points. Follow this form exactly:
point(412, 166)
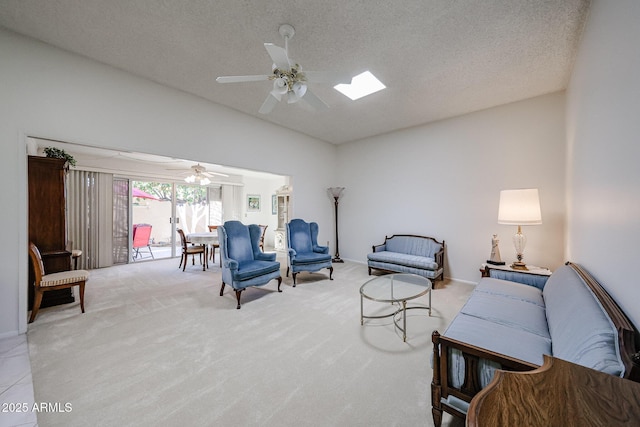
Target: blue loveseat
point(509, 325)
point(406, 253)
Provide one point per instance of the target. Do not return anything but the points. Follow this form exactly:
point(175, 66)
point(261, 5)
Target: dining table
point(205, 239)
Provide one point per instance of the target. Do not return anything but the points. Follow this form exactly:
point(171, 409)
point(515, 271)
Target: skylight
point(361, 85)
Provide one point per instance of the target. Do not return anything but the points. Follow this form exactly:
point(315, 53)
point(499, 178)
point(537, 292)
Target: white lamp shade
point(519, 207)
point(335, 192)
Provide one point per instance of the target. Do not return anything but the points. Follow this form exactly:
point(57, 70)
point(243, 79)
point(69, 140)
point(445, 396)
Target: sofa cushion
point(405, 259)
point(515, 276)
point(509, 312)
point(310, 258)
point(413, 245)
point(580, 329)
point(499, 338)
point(512, 290)
point(250, 269)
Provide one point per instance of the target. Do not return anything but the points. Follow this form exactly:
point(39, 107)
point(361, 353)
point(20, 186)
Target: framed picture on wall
point(253, 203)
point(274, 205)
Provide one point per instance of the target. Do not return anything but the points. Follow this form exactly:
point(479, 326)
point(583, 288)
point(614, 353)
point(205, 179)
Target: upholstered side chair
point(243, 263)
point(50, 282)
point(304, 252)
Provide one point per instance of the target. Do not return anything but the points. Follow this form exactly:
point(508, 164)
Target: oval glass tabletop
point(395, 287)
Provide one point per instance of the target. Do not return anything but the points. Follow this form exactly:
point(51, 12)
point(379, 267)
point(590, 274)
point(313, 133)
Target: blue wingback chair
point(243, 263)
point(304, 252)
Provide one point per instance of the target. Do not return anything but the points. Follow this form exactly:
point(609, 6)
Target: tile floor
point(16, 386)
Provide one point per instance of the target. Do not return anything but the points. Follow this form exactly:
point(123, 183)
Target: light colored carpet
point(158, 346)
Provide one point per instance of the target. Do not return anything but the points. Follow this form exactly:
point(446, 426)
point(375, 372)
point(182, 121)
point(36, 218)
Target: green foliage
point(185, 194)
point(57, 153)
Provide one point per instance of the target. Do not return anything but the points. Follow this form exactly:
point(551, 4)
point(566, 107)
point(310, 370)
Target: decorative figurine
point(495, 252)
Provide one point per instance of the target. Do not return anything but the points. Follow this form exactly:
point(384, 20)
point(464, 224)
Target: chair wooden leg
point(222, 289)
point(279, 283)
point(330, 273)
point(287, 271)
point(37, 300)
point(238, 292)
point(81, 285)
point(294, 279)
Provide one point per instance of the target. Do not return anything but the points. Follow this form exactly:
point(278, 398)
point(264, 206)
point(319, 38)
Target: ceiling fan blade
point(278, 56)
point(239, 79)
point(213, 174)
point(327, 77)
point(314, 101)
point(269, 103)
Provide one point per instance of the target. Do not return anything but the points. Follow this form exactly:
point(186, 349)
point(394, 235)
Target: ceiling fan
point(288, 77)
point(198, 173)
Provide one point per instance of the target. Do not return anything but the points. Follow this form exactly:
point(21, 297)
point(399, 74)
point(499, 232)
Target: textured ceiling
point(438, 58)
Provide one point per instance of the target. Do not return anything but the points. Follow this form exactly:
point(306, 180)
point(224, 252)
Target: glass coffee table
point(396, 289)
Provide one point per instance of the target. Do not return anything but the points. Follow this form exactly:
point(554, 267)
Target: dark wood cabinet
point(47, 223)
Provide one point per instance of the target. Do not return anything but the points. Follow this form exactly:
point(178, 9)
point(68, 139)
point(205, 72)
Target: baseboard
point(468, 282)
point(8, 334)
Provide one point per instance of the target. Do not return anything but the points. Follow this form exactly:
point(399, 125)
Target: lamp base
point(519, 265)
point(337, 259)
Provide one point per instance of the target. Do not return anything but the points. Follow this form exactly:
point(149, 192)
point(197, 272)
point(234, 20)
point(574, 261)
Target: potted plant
point(57, 153)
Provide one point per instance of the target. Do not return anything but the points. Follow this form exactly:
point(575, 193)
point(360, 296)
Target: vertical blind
point(90, 217)
point(120, 236)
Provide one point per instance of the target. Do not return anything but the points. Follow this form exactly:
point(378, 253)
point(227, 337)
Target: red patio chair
point(141, 239)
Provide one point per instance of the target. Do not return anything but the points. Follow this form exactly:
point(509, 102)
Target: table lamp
point(519, 207)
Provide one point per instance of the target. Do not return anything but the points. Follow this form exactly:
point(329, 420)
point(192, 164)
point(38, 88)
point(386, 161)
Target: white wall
point(265, 188)
point(50, 93)
point(603, 130)
point(443, 180)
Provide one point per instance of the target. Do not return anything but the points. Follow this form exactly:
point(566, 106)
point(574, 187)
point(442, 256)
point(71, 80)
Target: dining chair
point(50, 282)
point(214, 246)
point(263, 230)
point(190, 250)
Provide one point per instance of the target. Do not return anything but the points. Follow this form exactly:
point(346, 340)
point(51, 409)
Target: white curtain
point(90, 217)
point(232, 202)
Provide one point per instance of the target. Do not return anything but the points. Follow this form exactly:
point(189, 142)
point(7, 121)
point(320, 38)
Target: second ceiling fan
point(289, 80)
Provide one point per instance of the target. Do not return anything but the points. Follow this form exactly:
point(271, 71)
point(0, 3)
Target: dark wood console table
point(559, 393)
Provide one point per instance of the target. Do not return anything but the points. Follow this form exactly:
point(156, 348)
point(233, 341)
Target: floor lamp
point(519, 207)
point(336, 192)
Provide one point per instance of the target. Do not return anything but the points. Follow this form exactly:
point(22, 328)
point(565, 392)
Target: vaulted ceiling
point(438, 58)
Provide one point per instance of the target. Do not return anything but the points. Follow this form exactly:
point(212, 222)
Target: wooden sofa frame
point(438, 256)
point(441, 387)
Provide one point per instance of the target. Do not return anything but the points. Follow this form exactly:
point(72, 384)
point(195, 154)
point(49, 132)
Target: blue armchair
point(304, 252)
point(243, 263)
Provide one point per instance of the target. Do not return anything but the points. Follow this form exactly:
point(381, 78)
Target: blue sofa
point(407, 253)
point(509, 325)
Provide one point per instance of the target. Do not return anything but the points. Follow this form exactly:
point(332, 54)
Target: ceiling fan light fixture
point(190, 179)
point(361, 85)
point(205, 181)
point(280, 86)
point(299, 89)
point(288, 77)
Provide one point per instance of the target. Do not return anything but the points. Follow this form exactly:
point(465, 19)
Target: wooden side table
point(485, 270)
point(559, 393)
point(534, 276)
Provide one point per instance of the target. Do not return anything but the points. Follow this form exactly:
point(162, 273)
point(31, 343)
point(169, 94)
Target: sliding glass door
point(159, 209)
point(152, 233)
